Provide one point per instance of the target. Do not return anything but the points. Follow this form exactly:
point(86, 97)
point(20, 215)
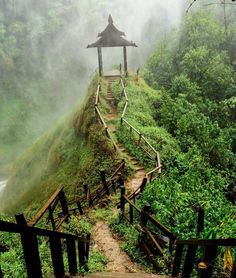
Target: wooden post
point(145, 211)
point(80, 208)
point(125, 61)
point(122, 200)
point(177, 260)
point(131, 214)
point(200, 221)
point(1, 274)
point(100, 61)
point(104, 182)
point(143, 184)
point(82, 254)
point(50, 211)
point(63, 202)
point(57, 258)
point(120, 69)
point(71, 254)
point(30, 249)
point(189, 261)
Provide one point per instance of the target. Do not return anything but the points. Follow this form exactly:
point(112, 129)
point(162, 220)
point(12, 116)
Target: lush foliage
point(191, 120)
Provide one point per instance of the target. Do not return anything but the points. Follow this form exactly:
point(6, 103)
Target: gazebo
point(111, 37)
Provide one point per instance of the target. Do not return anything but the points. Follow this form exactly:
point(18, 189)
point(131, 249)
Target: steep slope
point(68, 155)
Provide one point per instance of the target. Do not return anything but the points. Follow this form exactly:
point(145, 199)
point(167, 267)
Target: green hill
point(69, 155)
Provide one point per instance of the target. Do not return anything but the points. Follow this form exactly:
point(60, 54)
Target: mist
point(54, 72)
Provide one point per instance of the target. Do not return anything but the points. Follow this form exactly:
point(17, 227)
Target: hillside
point(69, 155)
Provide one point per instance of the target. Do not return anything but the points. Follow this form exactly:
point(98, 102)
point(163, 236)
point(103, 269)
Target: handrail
point(43, 210)
point(21, 229)
point(185, 262)
point(100, 116)
point(31, 249)
point(141, 137)
point(208, 242)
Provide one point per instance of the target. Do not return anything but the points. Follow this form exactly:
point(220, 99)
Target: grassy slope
point(182, 185)
point(69, 155)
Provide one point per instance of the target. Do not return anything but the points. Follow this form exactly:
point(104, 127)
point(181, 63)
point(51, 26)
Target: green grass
point(69, 155)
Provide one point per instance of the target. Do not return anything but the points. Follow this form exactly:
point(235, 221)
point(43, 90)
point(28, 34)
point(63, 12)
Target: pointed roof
point(111, 37)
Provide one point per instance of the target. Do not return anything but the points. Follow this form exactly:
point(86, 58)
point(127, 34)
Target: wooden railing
point(154, 236)
point(92, 197)
point(101, 118)
point(201, 256)
point(149, 150)
point(29, 240)
point(57, 202)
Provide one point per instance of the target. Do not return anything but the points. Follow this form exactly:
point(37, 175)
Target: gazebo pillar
point(125, 61)
point(100, 61)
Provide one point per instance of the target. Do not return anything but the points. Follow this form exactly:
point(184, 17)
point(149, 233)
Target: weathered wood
point(121, 167)
point(71, 254)
point(101, 117)
point(15, 228)
point(177, 260)
point(56, 255)
point(42, 211)
point(30, 249)
point(50, 212)
point(189, 261)
point(154, 242)
point(63, 201)
point(132, 204)
point(150, 256)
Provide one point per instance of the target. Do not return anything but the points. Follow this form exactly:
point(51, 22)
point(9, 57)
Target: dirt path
point(119, 261)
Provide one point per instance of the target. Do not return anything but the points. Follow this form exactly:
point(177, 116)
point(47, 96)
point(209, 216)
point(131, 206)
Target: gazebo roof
point(111, 37)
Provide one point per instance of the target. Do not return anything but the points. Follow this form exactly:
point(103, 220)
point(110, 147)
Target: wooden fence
point(143, 143)
point(57, 202)
point(29, 240)
point(153, 236)
point(92, 197)
point(186, 262)
point(101, 118)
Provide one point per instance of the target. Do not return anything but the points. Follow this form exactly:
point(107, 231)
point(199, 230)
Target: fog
point(60, 59)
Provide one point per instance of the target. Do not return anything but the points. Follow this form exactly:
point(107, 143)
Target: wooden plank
point(218, 242)
point(31, 255)
point(132, 204)
point(189, 261)
point(151, 257)
point(155, 243)
point(154, 170)
point(42, 211)
point(177, 260)
point(100, 116)
point(50, 211)
point(117, 170)
point(71, 255)
point(56, 255)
